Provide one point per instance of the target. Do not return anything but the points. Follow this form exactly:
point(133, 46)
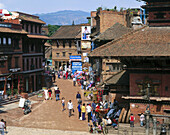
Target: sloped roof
point(147, 41)
point(9, 30)
point(38, 36)
point(120, 78)
point(47, 44)
point(67, 32)
point(114, 32)
point(31, 19)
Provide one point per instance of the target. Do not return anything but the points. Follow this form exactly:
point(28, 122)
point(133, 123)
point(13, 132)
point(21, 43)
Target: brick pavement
point(49, 114)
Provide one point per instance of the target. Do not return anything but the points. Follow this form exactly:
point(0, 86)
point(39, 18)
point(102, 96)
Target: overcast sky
point(47, 6)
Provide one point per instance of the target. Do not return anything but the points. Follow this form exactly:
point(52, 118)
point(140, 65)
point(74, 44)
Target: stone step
point(13, 100)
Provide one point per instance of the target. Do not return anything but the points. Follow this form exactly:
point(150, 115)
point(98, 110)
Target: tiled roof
point(120, 78)
point(67, 32)
point(38, 36)
point(9, 30)
point(114, 32)
point(148, 41)
point(31, 19)
point(47, 44)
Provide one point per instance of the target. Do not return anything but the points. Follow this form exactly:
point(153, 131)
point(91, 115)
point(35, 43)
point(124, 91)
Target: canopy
point(8, 15)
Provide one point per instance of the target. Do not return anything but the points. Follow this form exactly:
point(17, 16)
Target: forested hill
point(65, 17)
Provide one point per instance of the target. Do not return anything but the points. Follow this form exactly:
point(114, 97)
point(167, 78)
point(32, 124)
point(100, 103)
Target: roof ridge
point(55, 32)
point(116, 40)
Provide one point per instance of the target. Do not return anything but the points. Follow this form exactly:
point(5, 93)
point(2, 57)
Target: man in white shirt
point(70, 107)
point(74, 81)
point(2, 126)
point(88, 110)
point(108, 120)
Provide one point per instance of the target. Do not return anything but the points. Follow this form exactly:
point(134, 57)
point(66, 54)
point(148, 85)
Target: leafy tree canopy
point(52, 29)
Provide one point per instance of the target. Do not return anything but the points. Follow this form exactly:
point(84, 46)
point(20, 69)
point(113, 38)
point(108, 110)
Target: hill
point(65, 17)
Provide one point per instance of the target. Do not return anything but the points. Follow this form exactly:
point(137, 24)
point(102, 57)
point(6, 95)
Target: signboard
point(76, 66)
point(21, 102)
point(75, 58)
point(85, 44)
point(85, 32)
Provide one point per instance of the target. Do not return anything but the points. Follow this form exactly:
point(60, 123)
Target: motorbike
point(27, 107)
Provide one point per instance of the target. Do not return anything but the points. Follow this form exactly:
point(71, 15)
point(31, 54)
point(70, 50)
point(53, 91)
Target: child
point(63, 103)
point(50, 92)
point(132, 119)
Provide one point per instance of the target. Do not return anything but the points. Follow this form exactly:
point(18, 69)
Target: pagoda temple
point(146, 54)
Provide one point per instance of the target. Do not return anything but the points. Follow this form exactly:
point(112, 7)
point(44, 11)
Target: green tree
point(99, 8)
point(52, 29)
point(73, 23)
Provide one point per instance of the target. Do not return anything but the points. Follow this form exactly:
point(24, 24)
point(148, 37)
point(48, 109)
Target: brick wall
point(163, 86)
point(138, 108)
point(109, 18)
point(60, 50)
point(93, 14)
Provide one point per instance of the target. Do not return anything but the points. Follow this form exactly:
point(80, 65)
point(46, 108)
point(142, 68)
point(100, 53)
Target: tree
point(73, 23)
point(52, 29)
point(99, 8)
point(115, 8)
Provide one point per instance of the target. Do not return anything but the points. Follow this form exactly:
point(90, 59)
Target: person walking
point(46, 94)
point(74, 81)
point(83, 109)
point(93, 106)
point(2, 126)
point(79, 110)
point(63, 103)
point(84, 83)
point(81, 82)
point(142, 118)
point(132, 119)
point(89, 109)
point(57, 93)
point(70, 107)
point(49, 93)
point(78, 97)
point(66, 74)
point(54, 77)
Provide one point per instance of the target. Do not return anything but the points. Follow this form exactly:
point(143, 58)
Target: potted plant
point(16, 93)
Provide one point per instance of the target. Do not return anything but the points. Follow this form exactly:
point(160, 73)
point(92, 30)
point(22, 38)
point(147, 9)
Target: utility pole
point(147, 122)
point(148, 112)
point(154, 126)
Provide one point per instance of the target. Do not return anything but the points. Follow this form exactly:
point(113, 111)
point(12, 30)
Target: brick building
point(105, 19)
point(10, 55)
point(159, 13)
point(109, 66)
point(146, 54)
point(24, 65)
point(66, 41)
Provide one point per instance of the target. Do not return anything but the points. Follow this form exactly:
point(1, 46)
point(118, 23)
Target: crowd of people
point(98, 114)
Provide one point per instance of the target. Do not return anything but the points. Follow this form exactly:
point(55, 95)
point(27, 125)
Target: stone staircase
point(125, 129)
point(13, 99)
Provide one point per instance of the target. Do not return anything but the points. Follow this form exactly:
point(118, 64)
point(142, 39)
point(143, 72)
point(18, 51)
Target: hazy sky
point(46, 6)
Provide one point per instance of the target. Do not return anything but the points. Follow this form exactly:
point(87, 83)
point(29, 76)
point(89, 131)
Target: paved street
point(49, 114)
point(47, 117)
